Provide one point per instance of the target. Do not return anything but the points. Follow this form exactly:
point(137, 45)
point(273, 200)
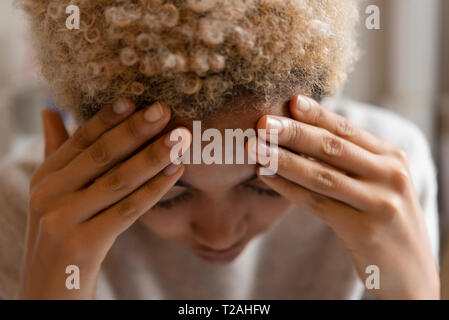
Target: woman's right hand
point(92, 187)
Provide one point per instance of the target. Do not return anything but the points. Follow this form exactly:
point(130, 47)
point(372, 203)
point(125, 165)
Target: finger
point(307, 110)
point(118, 218)
point(312, 175)
point(55, 133)
point(105, 119)
point(112, 147)
point(334, 213)
point(322, 145)
point(130, 175)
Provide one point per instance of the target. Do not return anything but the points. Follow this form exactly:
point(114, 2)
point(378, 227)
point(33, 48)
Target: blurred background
point(404, 67)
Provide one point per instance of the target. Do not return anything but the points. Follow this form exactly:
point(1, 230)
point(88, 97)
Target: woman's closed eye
point(174, 196)
point(262, 191)
point(261, 188)
point(180, 194)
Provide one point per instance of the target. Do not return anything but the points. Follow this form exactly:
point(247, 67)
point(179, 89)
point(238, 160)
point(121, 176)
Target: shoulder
point(16, 169)
point(406, 136)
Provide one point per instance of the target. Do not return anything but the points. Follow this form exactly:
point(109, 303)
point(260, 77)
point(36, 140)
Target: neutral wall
point(399, 68)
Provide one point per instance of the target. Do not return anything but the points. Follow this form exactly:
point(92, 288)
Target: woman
point(341, 204)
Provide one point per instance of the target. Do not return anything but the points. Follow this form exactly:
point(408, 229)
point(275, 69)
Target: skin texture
point(356, 183)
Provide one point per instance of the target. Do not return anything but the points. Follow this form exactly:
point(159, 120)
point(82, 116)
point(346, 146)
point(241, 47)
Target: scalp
point(194, 55)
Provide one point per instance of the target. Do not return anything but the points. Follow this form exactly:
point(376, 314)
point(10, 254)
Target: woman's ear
point(55, 133)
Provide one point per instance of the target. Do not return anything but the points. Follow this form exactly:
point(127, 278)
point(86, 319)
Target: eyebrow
point(181, 183)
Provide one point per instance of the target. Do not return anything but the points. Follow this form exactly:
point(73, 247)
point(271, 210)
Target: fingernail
point(154, 113)
point(128, 211)
point(274, 124)
point(121, 106)
point(302, 103)
point(171, 169)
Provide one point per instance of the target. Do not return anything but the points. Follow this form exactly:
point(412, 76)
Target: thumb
point(55, 133)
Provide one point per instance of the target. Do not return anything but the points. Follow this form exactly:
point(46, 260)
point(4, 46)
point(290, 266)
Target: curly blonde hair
point(194, 55)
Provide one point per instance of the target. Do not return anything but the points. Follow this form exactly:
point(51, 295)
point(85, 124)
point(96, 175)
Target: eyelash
point(262, 192)
point(167, 204)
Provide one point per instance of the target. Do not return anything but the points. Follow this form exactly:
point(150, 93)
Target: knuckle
point(81, 138)
point(331, 145)
point(107, 117)
point(323, 180)
point(293, 132)
point(153, 189)
point(399, 178)
point(125, 207)
point(99, 153)
point(400, 155)
point(284, 159)
point(133, 129)
point(345, 128)
point(115, 182)
point(390, 206)
point(49, 226)
point(317, 115)
point(316, 202)
point(48, 222)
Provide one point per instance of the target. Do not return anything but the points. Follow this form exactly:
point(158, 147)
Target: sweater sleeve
point(425, 181)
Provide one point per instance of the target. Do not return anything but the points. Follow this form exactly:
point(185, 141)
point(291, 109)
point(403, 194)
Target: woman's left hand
point(361, 187)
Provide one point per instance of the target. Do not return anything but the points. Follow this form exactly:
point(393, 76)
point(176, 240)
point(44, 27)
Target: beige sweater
point(298, 258)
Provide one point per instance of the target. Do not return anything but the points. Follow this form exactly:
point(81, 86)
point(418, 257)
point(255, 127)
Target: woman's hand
point(92, 187)
point(361, 187)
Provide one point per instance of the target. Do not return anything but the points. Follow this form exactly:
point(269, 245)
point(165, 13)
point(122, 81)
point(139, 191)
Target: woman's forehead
point(221, 176)
point(245, 118)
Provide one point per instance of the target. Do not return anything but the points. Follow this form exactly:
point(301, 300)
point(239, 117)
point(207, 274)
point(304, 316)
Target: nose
point(219, 230)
